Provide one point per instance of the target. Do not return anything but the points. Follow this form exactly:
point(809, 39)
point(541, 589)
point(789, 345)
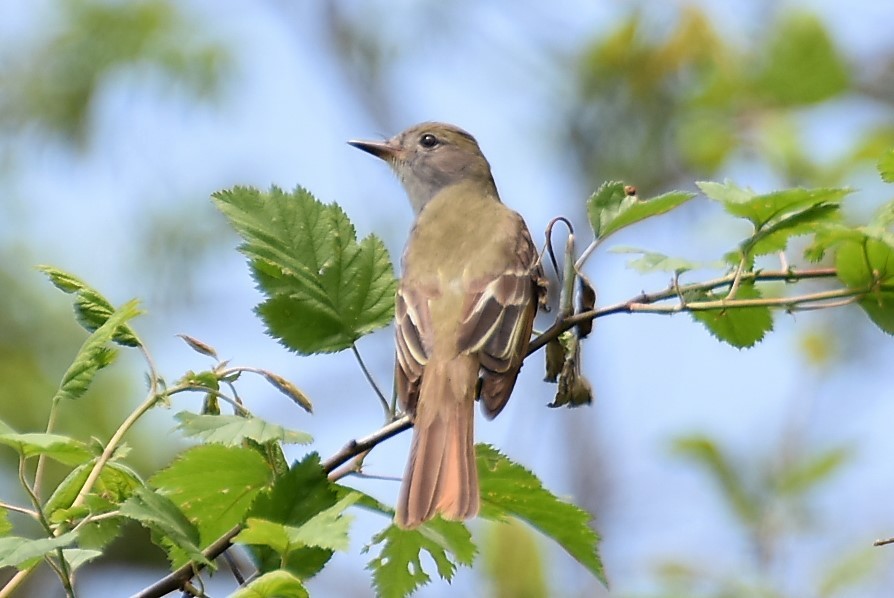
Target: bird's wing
point(411, 315)
point(498, 319)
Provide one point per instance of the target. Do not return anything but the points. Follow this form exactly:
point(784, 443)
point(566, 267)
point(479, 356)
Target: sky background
point(283, 114)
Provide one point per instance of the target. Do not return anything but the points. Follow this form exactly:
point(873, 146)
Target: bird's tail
point(441, 476)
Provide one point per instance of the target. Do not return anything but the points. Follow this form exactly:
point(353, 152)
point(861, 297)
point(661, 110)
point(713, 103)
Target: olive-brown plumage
point(464, 310)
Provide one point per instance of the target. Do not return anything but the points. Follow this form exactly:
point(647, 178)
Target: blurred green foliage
point(513, 562)
point(54, 85)
point(686, 101)
point(770, 495)
point(50, 84)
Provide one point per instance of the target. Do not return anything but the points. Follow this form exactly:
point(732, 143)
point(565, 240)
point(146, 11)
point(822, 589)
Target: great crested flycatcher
point(464, 309)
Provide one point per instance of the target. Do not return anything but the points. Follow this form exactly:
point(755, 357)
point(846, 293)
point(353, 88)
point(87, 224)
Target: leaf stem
point(152, 398)
point(389, 412)
point(586, 254)
point(737, 280)
point(41, 458)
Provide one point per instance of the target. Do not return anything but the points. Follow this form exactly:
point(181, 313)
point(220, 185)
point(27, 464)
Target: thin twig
point(18, 509)
point(355, 467)
point(180, 577)
point(360, 445)
point(35, 502)
point(237, 406)
point(828, 304)
point(370, 476)
point(641, 302)
point(372, 382)
point(883, 542)
point(234, 567)
point(61, 569)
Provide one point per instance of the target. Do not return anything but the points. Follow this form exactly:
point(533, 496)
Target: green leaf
point(116, 483)
point(884, 216)
point(869, 263)
point(864, 261)
point(63, 449)
point(804, 475)
point(741, 327)
point(75, 557)
point(610, 209)
point(802, 65)
point(398, 571)
point(651, 261)
point(16, 551)
point(727, 192)
point(94, 354)
point(92, 310)
point(214, 486)
point(605, 204)
point(231, 430)
point(324, 289)
point(849, 571)
point(276, 584)
point(773, 213)
point(509, 489)
point(886, 166)
point(5, 525)
point(328, 529)
point(296, 497)
point(703, 451)
point(171, 527)
point(774, 238)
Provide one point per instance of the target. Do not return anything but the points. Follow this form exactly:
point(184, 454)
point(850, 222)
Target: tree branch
point(644, 303)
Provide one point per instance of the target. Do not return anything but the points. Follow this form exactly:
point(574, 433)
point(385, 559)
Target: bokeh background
point(709, 471)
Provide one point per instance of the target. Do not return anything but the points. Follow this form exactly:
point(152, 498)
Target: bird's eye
point(428, 140)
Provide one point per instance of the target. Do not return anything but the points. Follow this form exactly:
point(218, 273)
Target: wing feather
point(412, 319)
point(498, 321)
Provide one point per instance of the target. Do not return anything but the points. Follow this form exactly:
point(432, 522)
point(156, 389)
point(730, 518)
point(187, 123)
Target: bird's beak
point(386, 150)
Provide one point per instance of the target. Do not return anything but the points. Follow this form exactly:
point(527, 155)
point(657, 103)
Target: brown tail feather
point(441, 476)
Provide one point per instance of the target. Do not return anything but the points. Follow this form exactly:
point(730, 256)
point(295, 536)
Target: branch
point(644, 303)
point(176, 580)
point(355, 447)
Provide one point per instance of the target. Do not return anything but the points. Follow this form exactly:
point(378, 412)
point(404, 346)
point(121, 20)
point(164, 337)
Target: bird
point(470, 288)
